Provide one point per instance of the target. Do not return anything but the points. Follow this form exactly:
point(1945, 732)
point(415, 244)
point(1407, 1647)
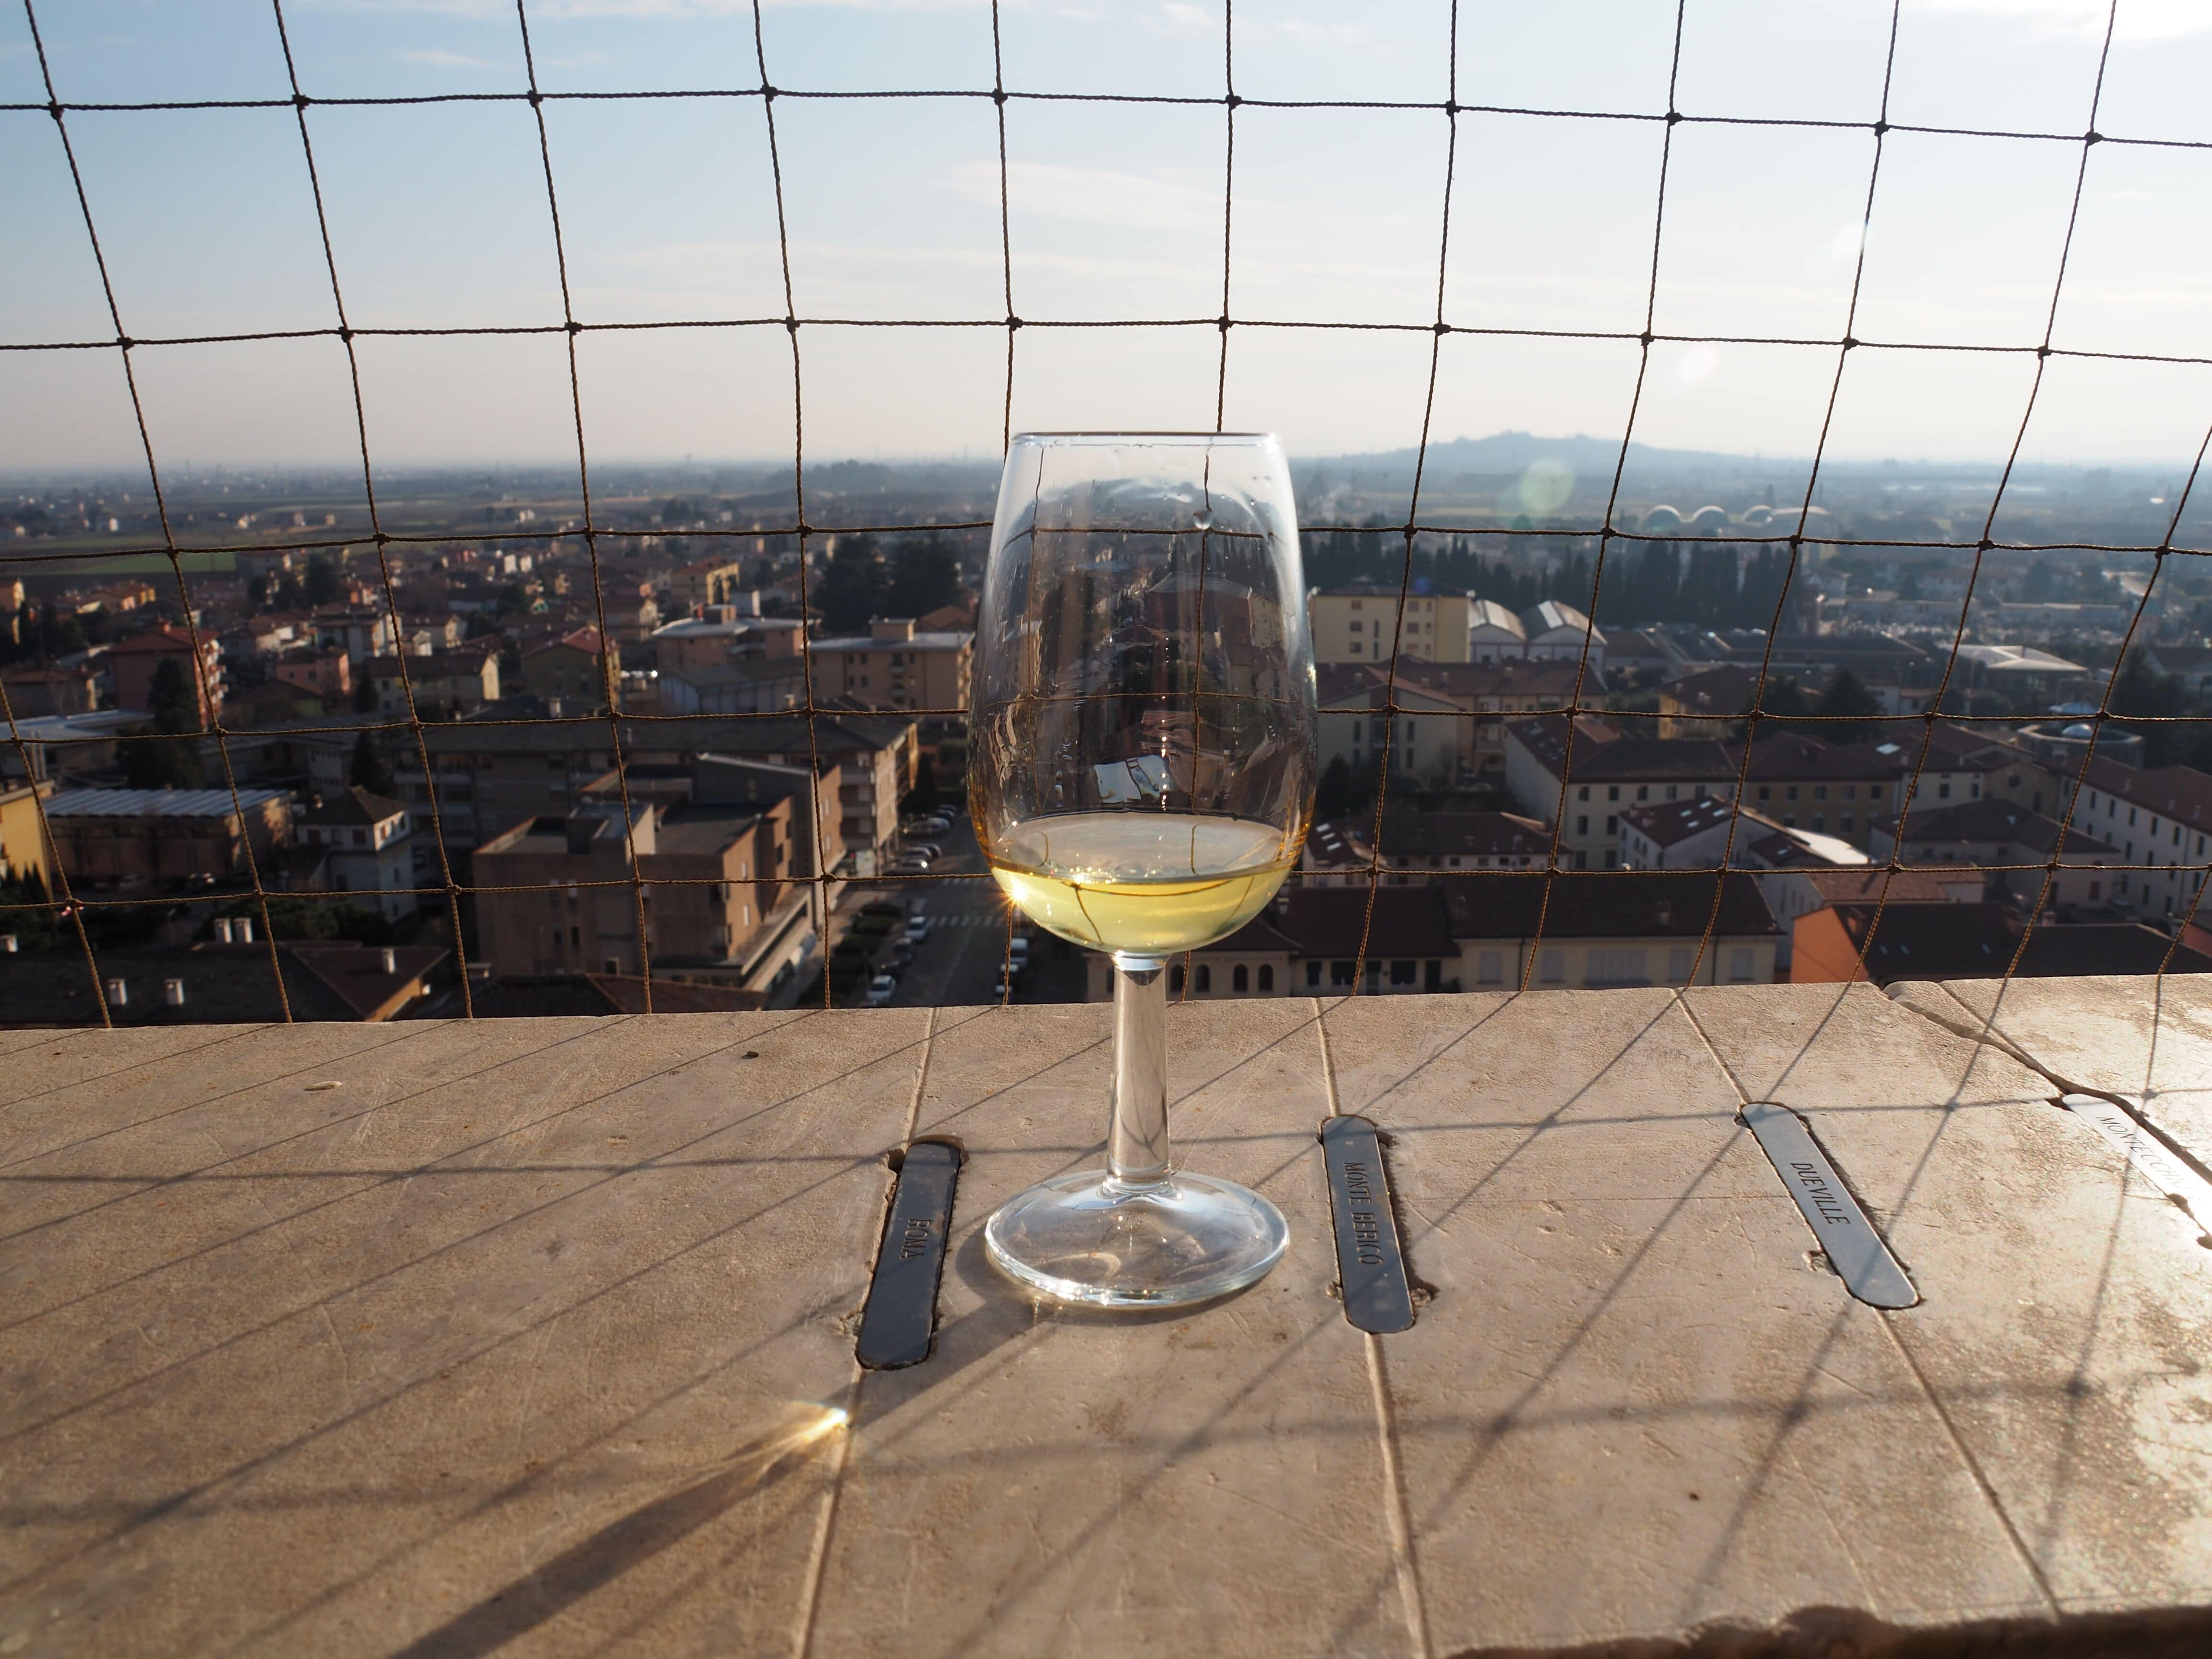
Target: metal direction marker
point(2143, 1148)
point(1853, 1247)
point(1369, 1263)
point(899, 1323)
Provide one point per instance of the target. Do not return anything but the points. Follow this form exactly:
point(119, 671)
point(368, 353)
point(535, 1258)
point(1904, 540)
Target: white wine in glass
point(1141, 780)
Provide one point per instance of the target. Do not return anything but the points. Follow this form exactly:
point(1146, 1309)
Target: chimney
point(241, 929)
point(7, 944)
point(117, 994)
point(223, 930)
point(173, 993)
point(390, 960)
point(891, 628)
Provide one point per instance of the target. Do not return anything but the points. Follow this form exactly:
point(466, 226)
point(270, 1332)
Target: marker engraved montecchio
point(1366, 1226)
point(2141, 1148)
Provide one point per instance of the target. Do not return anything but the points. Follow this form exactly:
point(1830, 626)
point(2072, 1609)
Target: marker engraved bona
point(1369, 1267)
point(1854, 1249)
point(899, 1323)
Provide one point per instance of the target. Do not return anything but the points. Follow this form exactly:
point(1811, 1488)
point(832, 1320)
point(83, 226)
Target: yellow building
point(1358, 624)
point(706, 581)
point(897, 666)
point(22, 838)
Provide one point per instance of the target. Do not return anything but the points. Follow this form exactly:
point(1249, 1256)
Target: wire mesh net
point(1558, 712)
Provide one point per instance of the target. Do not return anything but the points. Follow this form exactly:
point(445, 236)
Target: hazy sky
point(438, 217)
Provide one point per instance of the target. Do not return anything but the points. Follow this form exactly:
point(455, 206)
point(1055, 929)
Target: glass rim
point(1177, 439)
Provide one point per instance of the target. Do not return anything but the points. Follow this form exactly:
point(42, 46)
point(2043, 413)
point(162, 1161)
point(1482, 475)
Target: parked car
point(902, 953)
point(880, 989)
point(938, 825)
point(927, 849)
point(917, 929)
point(911, 865)
point(1018, 951)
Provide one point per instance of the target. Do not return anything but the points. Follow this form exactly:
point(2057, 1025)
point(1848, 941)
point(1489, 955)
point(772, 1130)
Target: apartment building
point(354, 841)
point(1607, 774)
point(1360, 624)
point(2162, 817)
point(445, 684)
point(578, 667)
point(694, 586)
point(139, 838)
point(1803, 782)
point(1602, 931)
point(896, 665)
point(134, 663)
point(1486, 697)
point(713, 883)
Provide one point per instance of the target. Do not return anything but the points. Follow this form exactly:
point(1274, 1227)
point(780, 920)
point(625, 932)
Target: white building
point(361, 844)
point(1556, 633)
point(1494, 633)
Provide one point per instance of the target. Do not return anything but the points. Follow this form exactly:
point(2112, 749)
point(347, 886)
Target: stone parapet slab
point(537, 1337)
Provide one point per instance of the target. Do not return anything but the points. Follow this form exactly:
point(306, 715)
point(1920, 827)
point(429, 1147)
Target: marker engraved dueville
point(1857, 1253)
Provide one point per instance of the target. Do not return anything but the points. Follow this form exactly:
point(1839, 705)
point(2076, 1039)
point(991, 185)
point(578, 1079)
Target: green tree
point(1780, 699)
point(369, 769)
point(1845, 698)
point(1337, 792)
point(321, 585)
point(922, 798)
point(364, 693)
point(849, 588)
point(164, 757)
point(925, 575)
point(2141, 694)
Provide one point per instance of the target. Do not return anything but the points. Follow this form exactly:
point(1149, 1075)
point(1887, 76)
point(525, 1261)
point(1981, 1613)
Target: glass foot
point(1089, 1238)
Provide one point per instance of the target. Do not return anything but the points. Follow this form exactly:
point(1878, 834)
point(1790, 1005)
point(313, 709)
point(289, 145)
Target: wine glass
point(1142, 776)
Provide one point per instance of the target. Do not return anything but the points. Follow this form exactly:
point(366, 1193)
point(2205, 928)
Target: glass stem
point(1137, 1146)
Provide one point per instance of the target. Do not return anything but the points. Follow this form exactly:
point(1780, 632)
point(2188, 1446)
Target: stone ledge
point(536, 1337)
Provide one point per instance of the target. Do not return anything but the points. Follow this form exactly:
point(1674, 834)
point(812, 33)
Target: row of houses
point(1491, 931)
point(1372, 624)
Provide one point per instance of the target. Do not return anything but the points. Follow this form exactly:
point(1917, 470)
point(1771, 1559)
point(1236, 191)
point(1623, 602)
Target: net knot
point(1443, 328)
point(1012, 321)
point(574, 327)
point(2093, 137)
point(1850, 342)
point(125, 341)
point(54, 109)
point(1222, 322)
point(1674, 117)
point(301, 100)
point(1234, 101)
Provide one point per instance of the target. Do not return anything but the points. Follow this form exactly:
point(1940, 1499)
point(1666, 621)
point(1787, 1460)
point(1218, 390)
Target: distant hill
point(1503, 455)
point(1510, 452)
